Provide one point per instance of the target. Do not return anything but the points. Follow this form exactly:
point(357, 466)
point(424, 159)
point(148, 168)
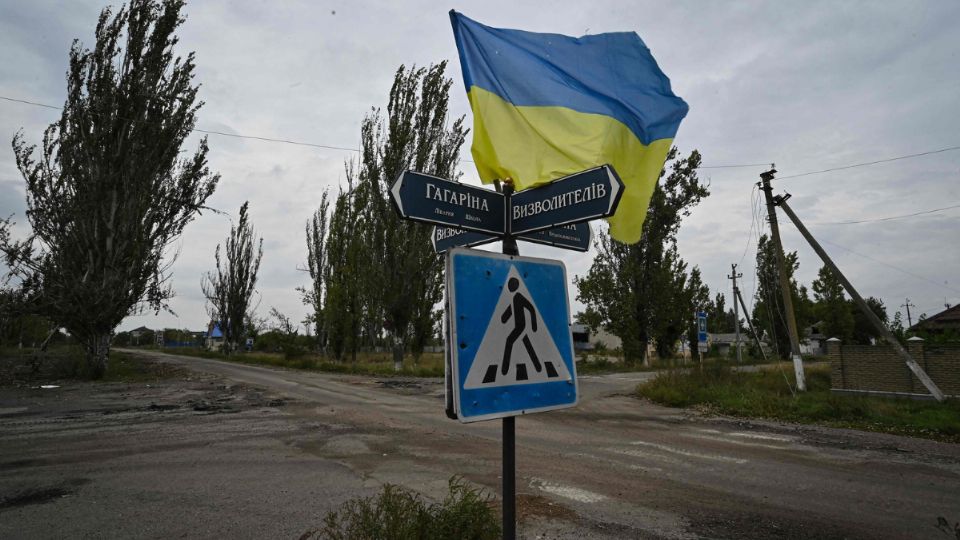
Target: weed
point(399, 513)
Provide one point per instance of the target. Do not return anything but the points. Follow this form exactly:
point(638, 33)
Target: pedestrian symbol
point(516, 348)
point(510, 343)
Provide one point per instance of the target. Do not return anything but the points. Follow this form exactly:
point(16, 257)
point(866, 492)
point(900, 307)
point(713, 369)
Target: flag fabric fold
point(549, 105)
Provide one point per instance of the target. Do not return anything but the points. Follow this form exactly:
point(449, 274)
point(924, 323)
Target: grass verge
point(602, 365)
point(430, 364)
point(399, 513)
point(26, 367)
point(766, 394)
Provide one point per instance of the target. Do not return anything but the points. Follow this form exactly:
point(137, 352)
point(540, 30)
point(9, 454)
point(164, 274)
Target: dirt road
point(244, 451)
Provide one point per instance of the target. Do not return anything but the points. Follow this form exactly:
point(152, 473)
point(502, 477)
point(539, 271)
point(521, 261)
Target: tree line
point(375, 280)
point(111, 187)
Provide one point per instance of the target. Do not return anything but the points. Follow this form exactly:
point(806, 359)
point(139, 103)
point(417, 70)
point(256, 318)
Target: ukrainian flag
point(548, 105)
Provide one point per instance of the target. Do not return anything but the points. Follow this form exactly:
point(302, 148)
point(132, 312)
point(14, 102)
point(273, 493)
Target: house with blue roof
point(214, 340)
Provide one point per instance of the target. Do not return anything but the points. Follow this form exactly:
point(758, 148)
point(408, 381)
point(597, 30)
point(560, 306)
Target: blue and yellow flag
point(548, 105)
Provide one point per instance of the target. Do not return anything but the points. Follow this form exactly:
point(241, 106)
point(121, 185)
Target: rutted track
point(626, 468)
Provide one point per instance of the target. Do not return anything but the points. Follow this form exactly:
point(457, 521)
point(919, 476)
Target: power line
point(886, 160)
point(347, 149)
point(214, 132)
point(734, 166)
point(318, 145)
point(907, 272)
point(891, 218)
point(30, 102)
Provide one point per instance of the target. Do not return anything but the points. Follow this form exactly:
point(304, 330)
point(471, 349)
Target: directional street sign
point(579, 197)
point(510, 342)
point(422, 197)
point(445, 238)
point(576, 237)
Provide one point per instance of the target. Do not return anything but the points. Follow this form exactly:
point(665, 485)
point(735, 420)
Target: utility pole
point(765, 179)
point(746, 316)
point(908, 305)
point(867, 312)
point(736, 308)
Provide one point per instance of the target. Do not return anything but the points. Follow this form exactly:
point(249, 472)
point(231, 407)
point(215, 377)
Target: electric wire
point(348, 149)
point(868, 163)
point(890, 218)
point(907, 272)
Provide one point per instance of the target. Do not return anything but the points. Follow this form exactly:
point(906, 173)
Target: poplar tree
point(230, 287)
point(405, 275)
point(110, 187)
point(313, 296)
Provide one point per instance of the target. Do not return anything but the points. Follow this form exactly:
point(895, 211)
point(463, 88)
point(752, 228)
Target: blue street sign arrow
point(579, 197)
point(430, 199)
point(576, 237)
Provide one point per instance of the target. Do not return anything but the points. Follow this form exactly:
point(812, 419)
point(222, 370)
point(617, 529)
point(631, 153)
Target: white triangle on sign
point(533, 355)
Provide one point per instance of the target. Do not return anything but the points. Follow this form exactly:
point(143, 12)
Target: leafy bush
point(398, 513)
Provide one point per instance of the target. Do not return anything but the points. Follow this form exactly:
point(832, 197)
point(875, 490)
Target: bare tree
point(230, 288)
point(108, 190)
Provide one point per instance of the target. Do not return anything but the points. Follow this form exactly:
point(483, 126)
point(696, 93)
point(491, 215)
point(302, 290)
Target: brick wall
point(878, 368)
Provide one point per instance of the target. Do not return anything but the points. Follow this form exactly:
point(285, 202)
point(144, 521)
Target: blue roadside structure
point(702, 331)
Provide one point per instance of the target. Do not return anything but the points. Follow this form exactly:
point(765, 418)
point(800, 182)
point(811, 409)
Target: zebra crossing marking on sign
point(516, 349)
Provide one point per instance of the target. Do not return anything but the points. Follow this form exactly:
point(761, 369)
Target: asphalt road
point(613, 467)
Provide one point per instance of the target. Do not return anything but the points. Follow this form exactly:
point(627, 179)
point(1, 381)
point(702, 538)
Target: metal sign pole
point(509, 473)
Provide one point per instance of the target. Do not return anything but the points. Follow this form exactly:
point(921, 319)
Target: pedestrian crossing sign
point(510, 345)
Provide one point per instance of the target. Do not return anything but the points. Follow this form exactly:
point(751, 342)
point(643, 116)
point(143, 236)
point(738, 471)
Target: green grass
point(399, 513)
point(68, 362)
point(603, 366)
point(381, 365)
point(766, 394)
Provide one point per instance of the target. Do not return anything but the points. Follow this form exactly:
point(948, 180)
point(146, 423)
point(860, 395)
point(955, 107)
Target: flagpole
point(509, 473)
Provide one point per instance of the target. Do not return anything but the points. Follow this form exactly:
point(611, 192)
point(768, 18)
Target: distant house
point(214, 339)
point(606, 339)
point(137, 332)
point(581, 337)
point(946, 321)
point(727, 342)
point(814, 341)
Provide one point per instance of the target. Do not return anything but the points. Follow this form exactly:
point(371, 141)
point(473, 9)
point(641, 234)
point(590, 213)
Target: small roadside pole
point(918, 371)
point(736, 311)
point(484, 379)
point(702, 344)
point(746, 317)
point(509, 461)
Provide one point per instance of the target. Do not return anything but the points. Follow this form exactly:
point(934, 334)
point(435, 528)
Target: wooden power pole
point(736, 308)
point(867, 312)
point(765, 179)
point(908, 305)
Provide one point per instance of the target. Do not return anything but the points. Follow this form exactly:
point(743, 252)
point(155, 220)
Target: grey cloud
point(806, 85)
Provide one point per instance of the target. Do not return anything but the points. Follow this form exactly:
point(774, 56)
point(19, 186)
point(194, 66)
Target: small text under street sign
point(576, 236)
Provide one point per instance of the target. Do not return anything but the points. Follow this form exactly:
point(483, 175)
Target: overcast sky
point(807, 85)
